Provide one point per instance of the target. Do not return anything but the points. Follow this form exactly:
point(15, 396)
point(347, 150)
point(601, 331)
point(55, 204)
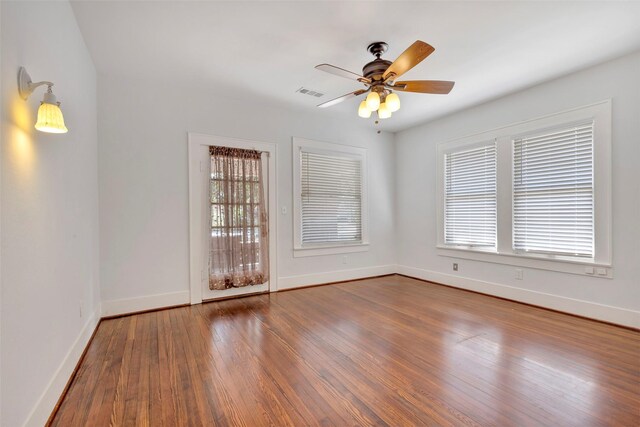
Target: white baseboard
point(607, 313)
point(149, 302)
point(292, 282)
point(616, 315)
point(49, 397)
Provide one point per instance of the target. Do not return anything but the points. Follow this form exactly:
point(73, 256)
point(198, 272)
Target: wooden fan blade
point(424, 86)
point(332, 69)
point(408, 59)
point(342, 98)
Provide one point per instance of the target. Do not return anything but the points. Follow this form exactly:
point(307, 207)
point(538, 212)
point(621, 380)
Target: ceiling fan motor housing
point(374, 69)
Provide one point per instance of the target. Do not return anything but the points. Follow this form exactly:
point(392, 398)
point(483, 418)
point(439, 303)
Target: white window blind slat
point(553, 192)
point(470, 198)
point(331, 208)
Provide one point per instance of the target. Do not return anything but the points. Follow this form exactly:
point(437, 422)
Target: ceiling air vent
point(310, 92)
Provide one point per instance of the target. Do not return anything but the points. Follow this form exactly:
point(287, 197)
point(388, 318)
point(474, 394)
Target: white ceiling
point(269, 49)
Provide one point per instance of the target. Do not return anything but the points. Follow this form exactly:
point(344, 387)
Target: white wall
point(49, 211)
point(144, 183)
point(615, 300)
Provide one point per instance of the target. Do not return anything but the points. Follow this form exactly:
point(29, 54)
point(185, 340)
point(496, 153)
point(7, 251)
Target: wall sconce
point(50, 117)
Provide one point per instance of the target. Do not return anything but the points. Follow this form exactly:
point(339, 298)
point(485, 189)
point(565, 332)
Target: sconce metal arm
point(26, 86)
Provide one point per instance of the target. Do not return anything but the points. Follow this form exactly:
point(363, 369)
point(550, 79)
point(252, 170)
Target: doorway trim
point(197, 269)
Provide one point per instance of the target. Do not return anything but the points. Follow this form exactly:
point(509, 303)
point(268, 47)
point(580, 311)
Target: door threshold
point(234, 296)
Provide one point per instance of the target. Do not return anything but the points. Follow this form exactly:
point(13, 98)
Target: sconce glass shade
point(373, 101)
point(363, 111)
point(383, 111)
point(393, 102)
point(50, 119)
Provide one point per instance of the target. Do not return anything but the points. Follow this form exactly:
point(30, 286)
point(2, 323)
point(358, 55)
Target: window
point(553, 192)
point(539, 195)
point(470, 197)
point(330, 198)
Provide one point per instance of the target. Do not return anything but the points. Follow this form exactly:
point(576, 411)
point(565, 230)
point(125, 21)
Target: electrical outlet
point(519, 274)
point(455, 266)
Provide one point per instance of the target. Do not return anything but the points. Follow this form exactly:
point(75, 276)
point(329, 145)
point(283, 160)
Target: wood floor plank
point(268, 400)
point(124, 389)
point(386, 351)
point(81, 395)
point(155, 397)
point(542, 389)
point(427, 382)
point(305, 395)
point(274, 344)
point(219, 397)
point(166, 361)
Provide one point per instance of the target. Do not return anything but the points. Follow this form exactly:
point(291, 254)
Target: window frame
point(600, 113)
point(306, 145)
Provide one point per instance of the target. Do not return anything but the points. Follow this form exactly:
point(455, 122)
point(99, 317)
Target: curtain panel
point(238, 252)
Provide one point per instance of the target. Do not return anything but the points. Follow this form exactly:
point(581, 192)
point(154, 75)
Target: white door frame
point(197, 265)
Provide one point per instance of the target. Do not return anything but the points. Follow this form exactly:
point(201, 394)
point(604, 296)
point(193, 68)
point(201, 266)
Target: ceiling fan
point(379, 76)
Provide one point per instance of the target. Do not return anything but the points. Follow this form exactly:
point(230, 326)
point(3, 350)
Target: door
point(236, 228)
point(200, 216)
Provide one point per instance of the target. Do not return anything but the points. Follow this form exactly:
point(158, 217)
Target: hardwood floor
point(387, 351)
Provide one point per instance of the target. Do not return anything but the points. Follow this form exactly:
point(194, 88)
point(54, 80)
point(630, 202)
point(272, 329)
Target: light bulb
point(373, 101)
point(363, 111)
point(383, 111)
point(393, 102)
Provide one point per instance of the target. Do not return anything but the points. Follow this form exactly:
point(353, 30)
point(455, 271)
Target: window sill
point(564, 265)
point(300, 252)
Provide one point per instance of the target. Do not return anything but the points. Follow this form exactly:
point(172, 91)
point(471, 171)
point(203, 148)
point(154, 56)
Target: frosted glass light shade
point(383, 111)
point(373, 101)
point(50, 119)
point(393, 102)
point(363, 111)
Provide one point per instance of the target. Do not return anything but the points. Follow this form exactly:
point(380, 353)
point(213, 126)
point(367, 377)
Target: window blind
point(470, 197)
point(331, 199)
point(553, 192)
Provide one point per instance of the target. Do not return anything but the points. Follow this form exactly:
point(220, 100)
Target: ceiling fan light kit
point(393, 102)
point(363, 111)
point(373, 101)
point(383, 111)
point(379, 77)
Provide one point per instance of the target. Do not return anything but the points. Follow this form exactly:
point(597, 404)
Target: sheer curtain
point(238, 254)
